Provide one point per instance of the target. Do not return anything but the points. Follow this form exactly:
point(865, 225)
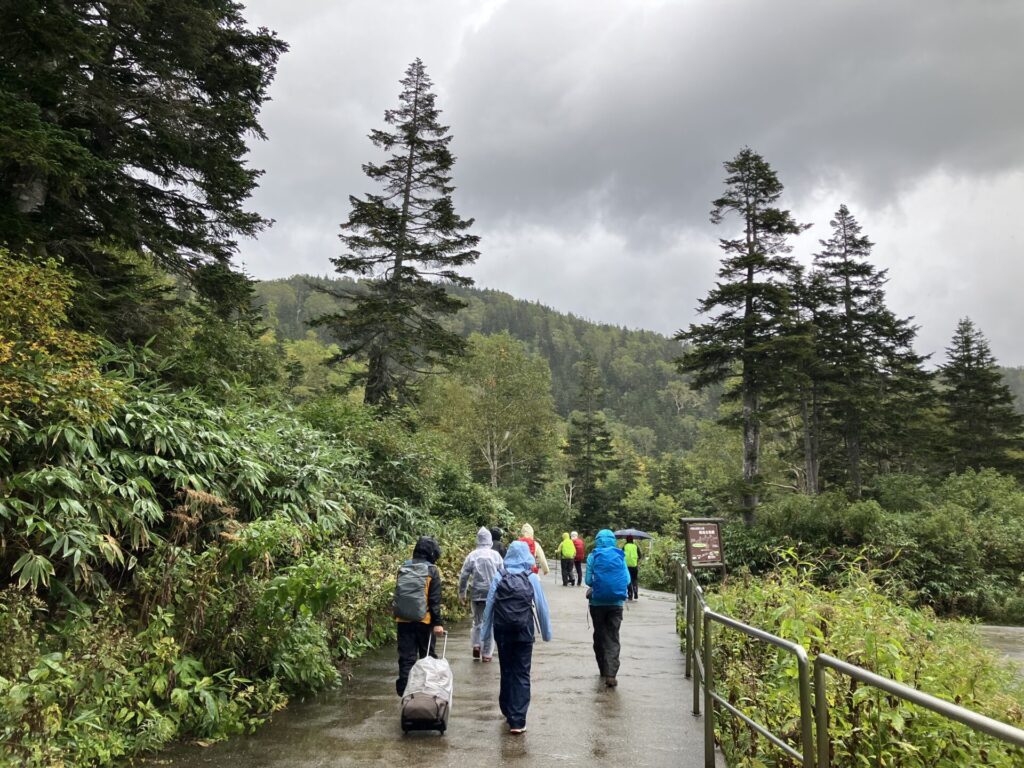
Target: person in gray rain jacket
point(478, 571)
point(515, 603)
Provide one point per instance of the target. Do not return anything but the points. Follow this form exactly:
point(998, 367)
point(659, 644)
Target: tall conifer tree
point(406, 242)
point(124, 127)
point(589, 449)
point(869, 372)
point(984, 428)
point(751, 334)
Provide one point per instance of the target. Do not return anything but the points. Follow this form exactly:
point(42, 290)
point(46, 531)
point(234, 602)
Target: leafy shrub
point(257, 552)
point(658, 568)
point(856, 622)
point(956, 546)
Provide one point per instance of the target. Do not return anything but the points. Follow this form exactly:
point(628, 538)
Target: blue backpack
point(611, 579)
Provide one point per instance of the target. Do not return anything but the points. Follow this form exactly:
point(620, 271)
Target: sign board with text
point(704, 544)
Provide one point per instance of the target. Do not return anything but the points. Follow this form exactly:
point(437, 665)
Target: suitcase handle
point(433, 639)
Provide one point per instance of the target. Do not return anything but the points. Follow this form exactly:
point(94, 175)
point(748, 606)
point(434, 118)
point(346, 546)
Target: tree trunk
point(810, 445)
point(751, 453)
point(853, 458)
point(377, 386)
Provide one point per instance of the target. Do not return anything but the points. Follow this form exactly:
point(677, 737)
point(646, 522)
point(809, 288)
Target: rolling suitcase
point(427, 701)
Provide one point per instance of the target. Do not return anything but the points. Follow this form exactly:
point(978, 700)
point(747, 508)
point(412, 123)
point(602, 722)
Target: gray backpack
point(410, 601)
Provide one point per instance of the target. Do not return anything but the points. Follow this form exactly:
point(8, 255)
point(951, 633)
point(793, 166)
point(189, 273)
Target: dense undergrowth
point(178, 566)
point(955, 545)
point(857, 622)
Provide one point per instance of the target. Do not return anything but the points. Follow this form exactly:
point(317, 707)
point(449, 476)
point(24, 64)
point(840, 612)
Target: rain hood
point(518, 558)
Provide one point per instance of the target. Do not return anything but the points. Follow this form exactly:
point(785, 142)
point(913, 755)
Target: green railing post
point(696, 617)
point(688, 609)
point(709, 702)
point(821, 716)
point(806, 711)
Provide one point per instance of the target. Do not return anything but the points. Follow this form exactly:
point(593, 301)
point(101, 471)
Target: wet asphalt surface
point(574, 720)
point(1009, 641)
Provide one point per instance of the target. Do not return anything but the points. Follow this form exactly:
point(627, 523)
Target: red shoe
point(476, 651)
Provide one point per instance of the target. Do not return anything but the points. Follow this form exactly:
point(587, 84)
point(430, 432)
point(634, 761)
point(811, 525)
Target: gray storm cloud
point(590, 137)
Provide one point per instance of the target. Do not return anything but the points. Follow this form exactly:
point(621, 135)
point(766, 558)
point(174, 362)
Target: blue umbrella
point(632, 532)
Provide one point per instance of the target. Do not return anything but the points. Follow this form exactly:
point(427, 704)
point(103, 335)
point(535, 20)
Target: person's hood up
point(496, 534)
point(574, 535)
point(565, 536)
point(483, 538)
point(426, 549)
point(518, 558)
point(527, 531)
point(604, 538)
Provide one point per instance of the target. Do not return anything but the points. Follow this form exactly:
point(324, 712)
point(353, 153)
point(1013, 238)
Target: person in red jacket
point(580, 556)
point(526, 535)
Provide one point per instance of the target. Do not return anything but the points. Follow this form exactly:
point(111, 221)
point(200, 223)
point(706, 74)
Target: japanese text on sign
point(705, 544)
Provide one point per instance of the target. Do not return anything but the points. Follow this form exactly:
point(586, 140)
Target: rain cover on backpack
point(611, 579)
point(410, 601)
point(513, 602)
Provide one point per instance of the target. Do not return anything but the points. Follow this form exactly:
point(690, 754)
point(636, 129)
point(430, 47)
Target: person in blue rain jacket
point(608, 579)
point(515, 605)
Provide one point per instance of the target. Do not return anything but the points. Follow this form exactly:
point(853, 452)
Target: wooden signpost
point(704, 543)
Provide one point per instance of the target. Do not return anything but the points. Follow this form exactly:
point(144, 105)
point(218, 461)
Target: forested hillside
point(642, 387)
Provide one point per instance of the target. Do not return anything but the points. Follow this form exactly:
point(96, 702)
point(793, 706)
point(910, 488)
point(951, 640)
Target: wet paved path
point(1009, 641)
point(573, 720)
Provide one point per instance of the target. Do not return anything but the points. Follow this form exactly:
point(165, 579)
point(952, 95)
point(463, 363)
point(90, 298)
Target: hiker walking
point(579, 557)
point(417, 606)
point(478, 571)
point(633, 557)
point(567, 551)
point(608, 580)
point(496, 545)
point(541, 562)
point(510, 612)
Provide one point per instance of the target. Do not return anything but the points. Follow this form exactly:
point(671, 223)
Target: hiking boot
point(610, 681)
point(476, 651)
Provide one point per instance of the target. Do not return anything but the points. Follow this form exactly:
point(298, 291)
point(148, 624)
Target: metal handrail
point(972, 720)
point(698, 636)
point(702, 665)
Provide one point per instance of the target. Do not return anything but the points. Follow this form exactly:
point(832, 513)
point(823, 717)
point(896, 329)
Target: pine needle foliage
point(589, 451)
point(752, 332)
point(405, 242)
point(125, 125)
point(871, 380)
point(984, 428)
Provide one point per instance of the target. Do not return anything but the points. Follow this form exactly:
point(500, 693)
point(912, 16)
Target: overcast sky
point(590, 137)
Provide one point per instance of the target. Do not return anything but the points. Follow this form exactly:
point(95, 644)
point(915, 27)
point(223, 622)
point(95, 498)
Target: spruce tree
point(869, 375)
point(124, 127)
point(405, 243)
point(984, 428)
point(589, 450)
point(751, 334)
point(804, 385)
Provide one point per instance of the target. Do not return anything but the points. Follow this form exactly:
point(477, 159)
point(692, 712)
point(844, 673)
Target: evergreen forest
point(207, 482)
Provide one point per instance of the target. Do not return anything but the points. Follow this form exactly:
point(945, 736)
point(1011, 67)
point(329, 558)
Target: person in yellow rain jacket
point(567, 551)
point(633, 555)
